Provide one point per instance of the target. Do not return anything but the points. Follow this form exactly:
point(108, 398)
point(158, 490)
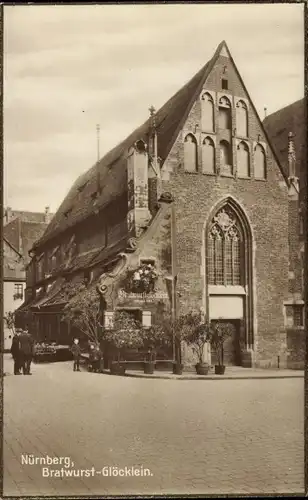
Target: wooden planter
point(202, 368)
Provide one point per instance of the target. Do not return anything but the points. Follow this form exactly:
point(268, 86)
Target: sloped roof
point(278, 125)
point(26, 215)
point(111, 169)
point(23, 234)
point(110, 172)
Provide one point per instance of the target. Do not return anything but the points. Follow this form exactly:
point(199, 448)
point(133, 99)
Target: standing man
point(26, 342)
point(15, 351)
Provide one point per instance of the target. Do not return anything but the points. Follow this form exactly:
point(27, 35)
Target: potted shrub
point(196, 335)
point(126, 333)
point(154, 337)
point(219, 333)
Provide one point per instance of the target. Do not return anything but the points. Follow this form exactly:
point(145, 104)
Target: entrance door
point(231, 347)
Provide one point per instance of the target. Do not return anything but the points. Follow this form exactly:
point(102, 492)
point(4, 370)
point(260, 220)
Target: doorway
point(232, 346)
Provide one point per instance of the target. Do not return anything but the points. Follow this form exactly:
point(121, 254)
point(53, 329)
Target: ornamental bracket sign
point(142, 297)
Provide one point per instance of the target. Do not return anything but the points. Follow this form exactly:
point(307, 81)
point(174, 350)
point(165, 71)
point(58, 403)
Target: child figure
point(76, 354)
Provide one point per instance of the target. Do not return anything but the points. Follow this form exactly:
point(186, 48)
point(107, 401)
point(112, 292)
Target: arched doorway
point(228, 277)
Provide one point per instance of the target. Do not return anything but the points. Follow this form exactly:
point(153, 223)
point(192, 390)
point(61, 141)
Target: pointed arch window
point(208, 156)
point(225, 158)
point(225, 248)
point(260, 162)
point(243, 160)
point(207, 113)
point(225, 116)
point(241, 119)
point(190, 153)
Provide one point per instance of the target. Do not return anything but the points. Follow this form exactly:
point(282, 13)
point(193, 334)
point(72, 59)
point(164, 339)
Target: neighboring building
point(21, 230)
point(198, 193)
point(287, 131)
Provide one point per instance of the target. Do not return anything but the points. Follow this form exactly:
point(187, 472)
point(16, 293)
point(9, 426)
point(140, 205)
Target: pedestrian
point(75, 349)
point(95, 357)
point(15, 351)
point(26, 343)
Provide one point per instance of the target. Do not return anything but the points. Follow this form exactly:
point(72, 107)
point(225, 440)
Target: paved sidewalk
point(227, 438)
point(231, 373)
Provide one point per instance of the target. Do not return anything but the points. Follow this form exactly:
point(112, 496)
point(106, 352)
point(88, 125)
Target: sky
point(69, 68)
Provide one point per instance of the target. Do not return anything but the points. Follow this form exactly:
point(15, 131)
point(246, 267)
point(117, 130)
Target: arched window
point(241, 119)
point(207, 113)
point(225, 158)
point(190, 153)
point(208, 156)
point(243, 160)
point(225, 117)
point(260, 162)
point(225, 248)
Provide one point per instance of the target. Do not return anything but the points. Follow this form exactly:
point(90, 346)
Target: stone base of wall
point(296, 344)
point(248, 360)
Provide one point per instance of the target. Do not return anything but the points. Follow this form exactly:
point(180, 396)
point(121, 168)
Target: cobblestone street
point(228, 436)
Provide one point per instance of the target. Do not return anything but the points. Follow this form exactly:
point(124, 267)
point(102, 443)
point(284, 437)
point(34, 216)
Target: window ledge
point(246, 178)
point(229, 176)
point(259, 179)
point(226, 290)
point(190, 172)
point(212, 174)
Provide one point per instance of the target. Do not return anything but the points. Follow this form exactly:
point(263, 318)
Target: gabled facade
point(286, 129)
point(197, 194)
point(21, 230)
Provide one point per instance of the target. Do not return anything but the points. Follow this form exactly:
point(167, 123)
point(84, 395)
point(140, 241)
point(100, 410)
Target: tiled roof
point(279, 124)
point(26, 216)
point(111, 169)
point(23, 234)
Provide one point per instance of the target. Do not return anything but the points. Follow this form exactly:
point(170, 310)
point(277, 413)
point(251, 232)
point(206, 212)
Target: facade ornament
point(224, 220)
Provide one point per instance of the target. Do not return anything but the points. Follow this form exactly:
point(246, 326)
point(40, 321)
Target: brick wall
point(266, 205)
point(295, 267)
point(296, 345)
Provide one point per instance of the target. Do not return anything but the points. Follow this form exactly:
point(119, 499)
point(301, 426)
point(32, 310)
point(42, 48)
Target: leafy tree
point(9, 319)
point(127, 332)
point(196, 332)
point(218, 335)
point(84, 311)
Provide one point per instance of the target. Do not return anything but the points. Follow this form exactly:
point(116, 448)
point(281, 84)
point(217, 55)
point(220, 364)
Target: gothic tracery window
point(241, 119)
point(207, 113)
point(225, 249)
point(190, 153)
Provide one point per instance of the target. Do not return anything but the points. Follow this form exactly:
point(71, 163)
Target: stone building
point(20, 230)
point(196, 192)
point(287, 131)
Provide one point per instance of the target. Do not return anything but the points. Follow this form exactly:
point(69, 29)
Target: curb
point(205, 377)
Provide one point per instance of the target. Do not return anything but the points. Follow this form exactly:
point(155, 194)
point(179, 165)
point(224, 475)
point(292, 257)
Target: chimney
point(8, 215)
point(47, 215)
point(138, 197)
point(293, 179)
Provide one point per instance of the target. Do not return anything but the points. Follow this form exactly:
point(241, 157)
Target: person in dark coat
point(26, 343)
point(76, 350)
point(15, 351)
point(95, 356)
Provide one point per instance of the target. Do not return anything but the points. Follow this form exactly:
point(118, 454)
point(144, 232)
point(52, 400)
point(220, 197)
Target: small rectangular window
point(224, 84)
point(295, 315)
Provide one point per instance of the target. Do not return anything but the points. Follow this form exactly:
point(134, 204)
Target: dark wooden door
point(231, 347)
